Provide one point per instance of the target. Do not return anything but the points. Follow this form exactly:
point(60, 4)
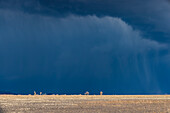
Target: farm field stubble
point(84, 103)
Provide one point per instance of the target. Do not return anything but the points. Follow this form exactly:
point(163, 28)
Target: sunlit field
point(84, 103)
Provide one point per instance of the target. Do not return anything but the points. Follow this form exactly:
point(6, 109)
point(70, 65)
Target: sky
point(74, 46)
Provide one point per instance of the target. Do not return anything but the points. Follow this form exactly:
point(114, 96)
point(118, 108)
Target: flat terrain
point(84, 103)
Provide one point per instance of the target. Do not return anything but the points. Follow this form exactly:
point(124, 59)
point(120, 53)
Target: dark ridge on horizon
point(7, 92)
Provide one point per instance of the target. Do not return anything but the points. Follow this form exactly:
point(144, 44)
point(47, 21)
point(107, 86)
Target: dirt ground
point(84, 103)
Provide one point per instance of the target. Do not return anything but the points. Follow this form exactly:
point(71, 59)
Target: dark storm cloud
point(76, 45)
point(149, 16)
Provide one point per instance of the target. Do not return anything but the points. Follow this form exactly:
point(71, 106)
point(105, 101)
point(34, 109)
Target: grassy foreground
point(84, 103)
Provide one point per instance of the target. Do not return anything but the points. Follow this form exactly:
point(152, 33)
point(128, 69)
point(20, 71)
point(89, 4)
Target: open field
point(84, 103)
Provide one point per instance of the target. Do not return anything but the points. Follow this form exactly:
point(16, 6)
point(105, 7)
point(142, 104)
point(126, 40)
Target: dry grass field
point(84, 103)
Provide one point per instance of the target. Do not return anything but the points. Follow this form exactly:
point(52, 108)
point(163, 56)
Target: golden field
point(85, 103)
